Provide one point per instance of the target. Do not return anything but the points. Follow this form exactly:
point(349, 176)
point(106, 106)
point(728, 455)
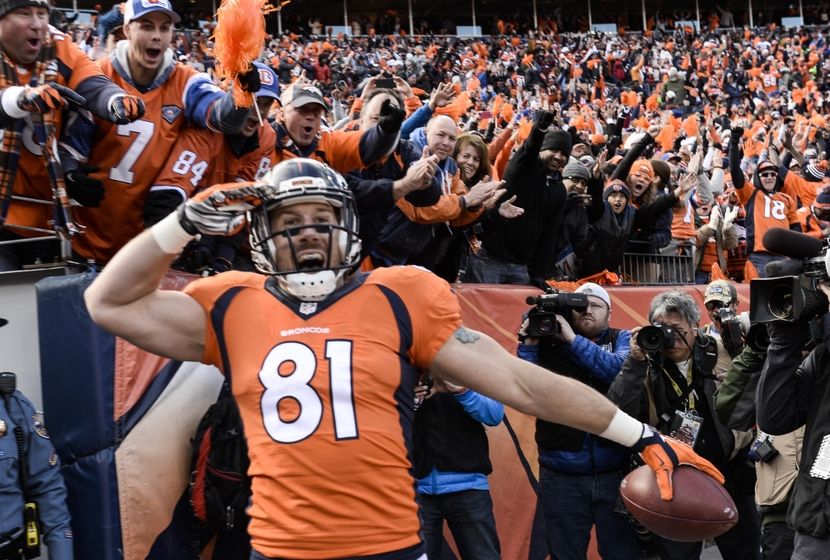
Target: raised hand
point(729, 217)
point(391, 117)
point(441, 96)
point(508, 210)
point(220, 209)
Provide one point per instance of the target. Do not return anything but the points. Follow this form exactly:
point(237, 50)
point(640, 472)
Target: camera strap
point(686, 395)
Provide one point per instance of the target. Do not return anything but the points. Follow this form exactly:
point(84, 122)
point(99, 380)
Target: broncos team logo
point(162, 3)
point(266, 78)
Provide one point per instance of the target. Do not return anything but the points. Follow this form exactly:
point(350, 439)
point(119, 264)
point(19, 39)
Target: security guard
point(39, 511)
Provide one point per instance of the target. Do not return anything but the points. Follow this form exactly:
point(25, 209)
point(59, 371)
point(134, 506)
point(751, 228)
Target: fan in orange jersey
point(768, 203)
point(127, 158)
point(300, 132)
point(42, 71)
point(323, 362)
point(202, 157)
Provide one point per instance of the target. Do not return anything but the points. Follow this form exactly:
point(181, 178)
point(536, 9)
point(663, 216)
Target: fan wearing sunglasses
point(769, 201)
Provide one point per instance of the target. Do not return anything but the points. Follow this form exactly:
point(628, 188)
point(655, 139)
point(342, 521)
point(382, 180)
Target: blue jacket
point(416, 120)
point(596, 455)
point(480, 408)
point(46, 486)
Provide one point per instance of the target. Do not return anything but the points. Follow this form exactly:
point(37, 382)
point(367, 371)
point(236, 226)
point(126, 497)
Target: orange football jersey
point(32, 179)
point(130, 157)
point(765, 211)
point(326, 396)
point(202, 158)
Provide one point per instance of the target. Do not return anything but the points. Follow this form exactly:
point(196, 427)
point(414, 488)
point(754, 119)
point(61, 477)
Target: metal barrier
point(64, 243)
point(638, 268)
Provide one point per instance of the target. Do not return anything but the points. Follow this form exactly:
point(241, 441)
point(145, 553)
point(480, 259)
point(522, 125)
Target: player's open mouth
point(34, 43)
point(311, 260)
point(308, 130)
point(153, 53)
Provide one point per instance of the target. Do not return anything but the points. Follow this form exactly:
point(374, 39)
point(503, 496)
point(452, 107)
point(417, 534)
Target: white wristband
point(623, 429)
point(9, 101)
point(170, 235)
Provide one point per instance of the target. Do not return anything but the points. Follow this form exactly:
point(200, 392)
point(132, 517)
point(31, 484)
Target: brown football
point(701, 507)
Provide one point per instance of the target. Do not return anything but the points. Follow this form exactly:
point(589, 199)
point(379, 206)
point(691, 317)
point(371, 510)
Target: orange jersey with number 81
point(326, 396)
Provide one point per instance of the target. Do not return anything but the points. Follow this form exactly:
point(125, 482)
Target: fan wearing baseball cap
point(126, 161)
point(580, 474)
point(43, 72)
point(719, 294)
point(300, 131)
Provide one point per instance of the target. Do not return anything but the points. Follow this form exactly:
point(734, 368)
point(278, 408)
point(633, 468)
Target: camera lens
point(780, 302)
point(651, 338)
point(546, 326)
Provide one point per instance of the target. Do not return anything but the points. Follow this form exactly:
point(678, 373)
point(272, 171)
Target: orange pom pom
point(239, 37)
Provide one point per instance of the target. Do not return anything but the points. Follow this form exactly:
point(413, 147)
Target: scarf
point(45, 70)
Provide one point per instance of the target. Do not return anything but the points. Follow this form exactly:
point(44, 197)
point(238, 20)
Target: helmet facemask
point(307, 281)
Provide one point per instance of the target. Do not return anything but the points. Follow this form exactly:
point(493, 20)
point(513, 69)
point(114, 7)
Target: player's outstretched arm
point(474, 360)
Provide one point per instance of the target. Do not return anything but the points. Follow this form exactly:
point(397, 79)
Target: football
point(700, 509)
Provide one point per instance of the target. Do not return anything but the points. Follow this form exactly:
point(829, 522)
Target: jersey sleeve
point(433, 310)
point(342, 149)
point(198, 96)
point(800, 189)
point(214, 295)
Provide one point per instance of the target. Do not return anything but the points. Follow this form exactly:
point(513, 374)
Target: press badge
point(821, 466)
point(685, 426)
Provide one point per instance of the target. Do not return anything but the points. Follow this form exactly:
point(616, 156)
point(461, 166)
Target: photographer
point(721, 301)
point(776, 457)
point(580, 474)
point(794, 393)
point(668, 379)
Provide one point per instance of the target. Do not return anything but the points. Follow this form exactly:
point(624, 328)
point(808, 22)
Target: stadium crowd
point(534, 158)
point(652, 109)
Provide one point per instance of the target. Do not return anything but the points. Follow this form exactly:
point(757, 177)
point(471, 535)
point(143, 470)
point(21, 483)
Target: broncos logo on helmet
point(298, 181)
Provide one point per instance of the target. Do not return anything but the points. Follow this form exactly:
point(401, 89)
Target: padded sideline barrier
point(121, 420)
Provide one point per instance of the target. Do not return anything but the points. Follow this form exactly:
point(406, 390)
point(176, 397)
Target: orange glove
point(220, 209)
point(662, 454)
point(47, 98)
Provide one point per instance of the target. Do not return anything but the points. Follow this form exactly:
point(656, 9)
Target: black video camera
point(791, 298)
point(654, 338)
point(542, 318)
point(731, 330)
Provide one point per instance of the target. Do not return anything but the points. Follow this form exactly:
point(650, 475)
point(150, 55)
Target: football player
point(123, 160)
point(323, 361)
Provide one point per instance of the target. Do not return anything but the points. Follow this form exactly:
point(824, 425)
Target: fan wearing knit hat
point(815, 219)
point(555, 150)
point(617, 195)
